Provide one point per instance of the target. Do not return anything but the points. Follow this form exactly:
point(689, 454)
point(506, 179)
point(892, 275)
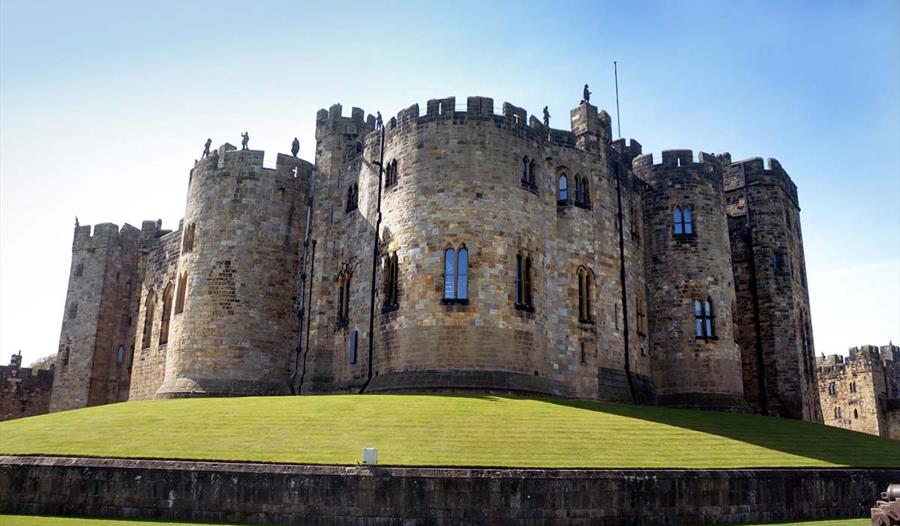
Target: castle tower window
point(79, 270)
point(73, 311)
point(684, 221)
point(525, 170)
point(168, 293)
point(182, 290)
point(391, 175)
point(120, 354)
point(391, 284)
point(531, 179)
point(344, 299)
point(577, 189)
point(704, 326)
point(832, 389)
point(585, 193)
point(187, 243)
point(524, 296)
point(456, 275)
point(641, 316)
point(585, 286)
point(855, 413)
point(149, 307)
point(563, 193)
point(852, 387)
point(352, 197)
point(583, 355)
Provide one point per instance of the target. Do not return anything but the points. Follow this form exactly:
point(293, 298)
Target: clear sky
point(105, 105)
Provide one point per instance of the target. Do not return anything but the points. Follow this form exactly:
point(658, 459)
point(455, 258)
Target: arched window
point(168, 293)
point(352, 197)
point(187, 240)
point(704, 326)
point(585, 286)
point(344, 299)
point(120, 354)
point(577, 189)
point(832, 389)
point(679, 221)
point(179, 296)
point(149, 308)
point(391, 284)
point(855, 413)
point(852, 387)
point(524, 295)
point(456, 275)
point(688, 221)
point(391, 174)
point(563, 196)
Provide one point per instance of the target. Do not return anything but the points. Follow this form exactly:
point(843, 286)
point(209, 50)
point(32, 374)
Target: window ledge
point(707, 338)
point(454, 301)
point(523, 307)
point(562, 203)
point(586, 322)
point(686, 237)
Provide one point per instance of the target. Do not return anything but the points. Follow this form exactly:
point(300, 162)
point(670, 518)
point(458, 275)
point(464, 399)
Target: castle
point(496, 255)
point(862, 392)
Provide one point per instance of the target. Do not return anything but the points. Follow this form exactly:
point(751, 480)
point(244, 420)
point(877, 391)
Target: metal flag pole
point(618, 119)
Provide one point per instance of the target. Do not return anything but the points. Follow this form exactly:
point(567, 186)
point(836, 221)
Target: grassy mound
point(442, 430)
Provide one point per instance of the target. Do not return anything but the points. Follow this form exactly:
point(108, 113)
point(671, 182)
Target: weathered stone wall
point(683, 268)
point(24, 392)
point(774, 327)
point(238, 328)
point(97, 320)
point(856, 392)
point(274, 493)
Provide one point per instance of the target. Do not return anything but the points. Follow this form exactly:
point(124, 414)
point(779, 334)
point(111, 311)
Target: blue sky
point(105, 105)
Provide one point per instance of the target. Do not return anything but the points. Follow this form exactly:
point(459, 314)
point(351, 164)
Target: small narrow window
point(65, 358)
point(351, 346)
point(641, 316)
point(149, 307)
point(456, 275)
point(585, 284)
point(585, 193)
point(344, 299)
point(852, 387)
point(187, 240)
point(73, 311)
point(391, 174)
point(577, 189)
point(520, 293)
point(168, 293)
point(531, 179)
point(563, 197)
point(679, 221)
point(832, 389)
point(179, 296)
point(855, 413)
point(525, 165)
point(529, 297)
point(449, 274)
point(120, 354)
point(583, 355)
point(462, 284)
point(391, 283)
point(352, 197)
point(79, 270)
point(688, 221)
point(704, 326)
point(523, 282)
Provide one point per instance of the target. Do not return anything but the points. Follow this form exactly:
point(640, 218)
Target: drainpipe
point(302, 311)
point(622, 277)
point(374, 266)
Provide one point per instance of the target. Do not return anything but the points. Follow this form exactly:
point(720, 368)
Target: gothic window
point(684, 221)
point(149, 307)
point(563, 194)
point(832, 389)
point(524, 279)
point(168, 293)
point(456, 275)
point(641, 316)
point(120, 354)
point(179, 296)
point(391, 174)
point(585, 286)
point(352, 197)
point(704, 326)
point(344, 299)
point(391, 284)
point(73, 311)
point(528, 173)
point(837, 412)
point(79, 270)
point(582, 192)
point(187, 242)
point(852, 387)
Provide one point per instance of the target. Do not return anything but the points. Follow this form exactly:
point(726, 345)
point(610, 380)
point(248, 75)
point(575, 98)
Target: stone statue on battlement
point(546, 117)
point(379, 123)
point(245, 141)
point(206, 149)
point(295, 147)
point(586, 95)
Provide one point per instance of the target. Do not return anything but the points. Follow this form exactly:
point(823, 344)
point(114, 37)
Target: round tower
point(690, 284)
point(234, 313)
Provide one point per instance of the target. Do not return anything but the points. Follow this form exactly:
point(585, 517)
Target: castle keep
point(511, 257)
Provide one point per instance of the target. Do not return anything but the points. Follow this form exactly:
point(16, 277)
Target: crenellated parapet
point(754, 171)
point(103, 235)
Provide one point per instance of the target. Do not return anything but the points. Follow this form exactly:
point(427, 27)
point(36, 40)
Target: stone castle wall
point(860, 392)
point(23, 391)
point(232, 271)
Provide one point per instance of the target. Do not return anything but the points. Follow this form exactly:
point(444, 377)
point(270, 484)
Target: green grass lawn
point(442, 430)
point(23, 520)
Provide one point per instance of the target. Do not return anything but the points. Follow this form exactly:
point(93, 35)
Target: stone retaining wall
point(358, 495)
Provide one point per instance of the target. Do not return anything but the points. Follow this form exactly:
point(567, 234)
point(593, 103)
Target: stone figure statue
point(76, 222)
point(378, 122)
point(546, 117)
point(206, 149)
point(295, 147)
point(245, 141)
point(587, 95)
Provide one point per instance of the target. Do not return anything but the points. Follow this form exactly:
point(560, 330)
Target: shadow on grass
point(804, 439)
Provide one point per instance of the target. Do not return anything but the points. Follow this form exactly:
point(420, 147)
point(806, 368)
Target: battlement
point(753, 171)
point(332, 120)
point(629, 151)
point(678, 159)
point(103, 234)
point(228, 158)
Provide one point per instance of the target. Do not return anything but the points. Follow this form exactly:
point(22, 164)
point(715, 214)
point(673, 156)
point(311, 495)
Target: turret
point(696, 362)
point(233, 322)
